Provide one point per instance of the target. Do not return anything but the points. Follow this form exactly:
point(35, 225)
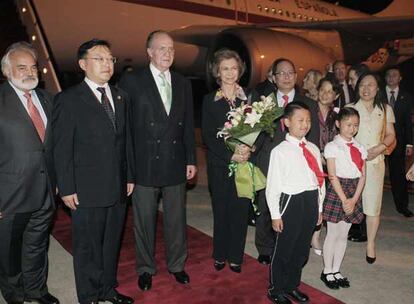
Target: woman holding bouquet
point(230, 212)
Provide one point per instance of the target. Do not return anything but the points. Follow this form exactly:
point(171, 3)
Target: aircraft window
point(310, 19)
point(266, 9)
point(299, 16)
point(287, 14)
point(280, 12)
point(294, 15)
point(273, 10)
point(305, 17)
point(316, 19)
point(259, 7)
point(227, 1)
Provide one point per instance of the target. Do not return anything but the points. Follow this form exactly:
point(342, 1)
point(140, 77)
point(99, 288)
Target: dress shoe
point(264, 259)
point(359, 238)
point(145, 281)
point(342, 281)
point(406, 212)
point(120, 299)
point(298, 296)
point(15, 302)
point(235, 268)
point(181, 277)
point(45, 299)
point(279, 299)
point(219, 265)
point(370, 260)
point(331, 284)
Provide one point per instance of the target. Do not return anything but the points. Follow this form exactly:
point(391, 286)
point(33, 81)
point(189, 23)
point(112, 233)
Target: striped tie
point(35, 116)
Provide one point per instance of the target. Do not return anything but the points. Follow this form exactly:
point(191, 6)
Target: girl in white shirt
point(342, 206)
point(294, 193)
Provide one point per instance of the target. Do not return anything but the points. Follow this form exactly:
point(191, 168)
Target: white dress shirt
point(338, 149)
point(158, 81)
point(289, 173)
point(94, 87)
point(35, 101)
point(388, 91)
point(345, 88)
point(281, 101)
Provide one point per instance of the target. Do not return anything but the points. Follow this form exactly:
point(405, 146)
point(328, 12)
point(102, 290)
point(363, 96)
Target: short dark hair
point(152, 35)
point(279, 61)
point(294, 106)
point(394, 67)
point(346, 112)
point(86, 46)
point(224, 54)
point(336, 62)
point(336, 87)
point(359, 69)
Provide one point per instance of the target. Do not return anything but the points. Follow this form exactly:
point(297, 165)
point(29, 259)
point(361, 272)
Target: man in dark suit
point(27, 184)
point(163, 131)
point(93, 154)
point(401, 102)
point(347, 94)
point(284, 77)
point(266, 85)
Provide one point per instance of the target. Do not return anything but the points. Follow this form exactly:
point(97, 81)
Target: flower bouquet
point(243, 126)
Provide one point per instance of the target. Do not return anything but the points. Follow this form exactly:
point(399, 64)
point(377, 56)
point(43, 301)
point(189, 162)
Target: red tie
point(313, 164)
point(285, 102)
point(35, 116)
point(356, 156)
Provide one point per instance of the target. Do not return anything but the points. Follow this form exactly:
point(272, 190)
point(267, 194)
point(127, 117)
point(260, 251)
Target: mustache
point(29, 78)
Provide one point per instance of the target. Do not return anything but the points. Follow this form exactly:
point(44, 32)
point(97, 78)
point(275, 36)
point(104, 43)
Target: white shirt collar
point(294, 140)
point(291, 95)
point(388, 89)
point(20, 92)
point(93, 85)
point(340, 140)
point(155, 72)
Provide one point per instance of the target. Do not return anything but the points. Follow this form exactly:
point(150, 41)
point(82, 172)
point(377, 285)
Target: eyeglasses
point(283, 74)
point(101, 60)
point(164, 50)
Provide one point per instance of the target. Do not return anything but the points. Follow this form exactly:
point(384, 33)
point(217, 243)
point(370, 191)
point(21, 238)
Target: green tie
point(165, 92)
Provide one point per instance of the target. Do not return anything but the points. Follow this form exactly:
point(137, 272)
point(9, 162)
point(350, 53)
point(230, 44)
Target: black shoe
point(15, 302)
point(298, 296)
point(181, 277)
point(357, 238)
point(406, 212)
point(120, 299)
point(342, 282)
point(279, 299)
point(145, 281)
point(370, 260)
point(46, 299)
point(330, 284)
point(264, 259)
point(235, 268)
point(219, 265)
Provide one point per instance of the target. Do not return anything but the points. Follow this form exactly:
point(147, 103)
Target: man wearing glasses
point(93, 154)
point(162, 123)
point(284, 78)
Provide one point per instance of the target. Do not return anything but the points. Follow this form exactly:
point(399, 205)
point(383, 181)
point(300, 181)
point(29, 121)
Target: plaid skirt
point(332, 206)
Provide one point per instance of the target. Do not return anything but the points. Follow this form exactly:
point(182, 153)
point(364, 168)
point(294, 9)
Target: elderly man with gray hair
point(26, 179)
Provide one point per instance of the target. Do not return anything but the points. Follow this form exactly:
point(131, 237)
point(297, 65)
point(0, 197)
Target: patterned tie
point(285, 103)
point(313, 164)
point(356, 156)
point(35, 116)
point(106, 104)
point(165, 92)
point(392, 99)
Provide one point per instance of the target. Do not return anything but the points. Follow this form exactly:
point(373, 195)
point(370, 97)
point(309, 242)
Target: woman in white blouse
point(372, 107)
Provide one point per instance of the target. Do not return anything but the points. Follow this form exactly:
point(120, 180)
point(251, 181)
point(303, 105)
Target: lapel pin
point(119, 97)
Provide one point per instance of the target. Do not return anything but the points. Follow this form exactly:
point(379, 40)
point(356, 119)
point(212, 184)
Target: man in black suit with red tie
point(401, 102)
point(27, 183)
point(93, 155)
point(163, 129)
point(284, 77)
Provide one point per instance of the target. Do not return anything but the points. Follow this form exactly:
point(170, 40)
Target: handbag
point(391, 147)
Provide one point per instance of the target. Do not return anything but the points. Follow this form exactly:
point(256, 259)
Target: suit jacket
point(340, 102)
point(92, 159)
point(265, 87)
point(164, 144)
point(26, 164)
point(263, 156)
point(403, 124)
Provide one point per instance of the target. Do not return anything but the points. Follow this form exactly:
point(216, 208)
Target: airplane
point(311, 33)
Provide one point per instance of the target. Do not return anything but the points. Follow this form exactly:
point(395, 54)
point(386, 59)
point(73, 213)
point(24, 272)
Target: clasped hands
point(241, 153)
point(348, 205)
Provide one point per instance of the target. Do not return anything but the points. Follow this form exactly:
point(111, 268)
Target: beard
point(25, 84)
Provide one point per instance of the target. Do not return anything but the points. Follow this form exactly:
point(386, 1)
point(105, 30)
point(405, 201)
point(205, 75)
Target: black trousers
point(96, 242)
point(291, 250)
point(264, 236)
point(24, 241)
point(230, 214)
point(145, 204)
point(396, 164)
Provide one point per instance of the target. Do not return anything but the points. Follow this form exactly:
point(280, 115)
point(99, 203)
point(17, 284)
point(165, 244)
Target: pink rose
point(228, 125)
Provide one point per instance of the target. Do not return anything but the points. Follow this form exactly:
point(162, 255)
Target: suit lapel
point(118, 100)
point(89, 97)
point(174, 101)
point(154, 94)
point(46, 108)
